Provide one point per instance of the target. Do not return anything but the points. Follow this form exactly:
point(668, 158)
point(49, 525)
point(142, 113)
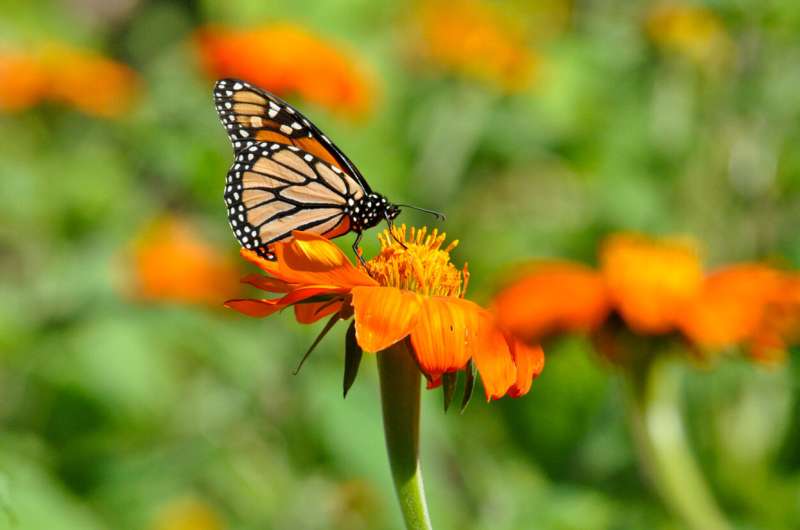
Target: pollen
point(418, 261)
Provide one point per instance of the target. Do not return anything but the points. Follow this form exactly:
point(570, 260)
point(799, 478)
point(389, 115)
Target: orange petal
point(255, 308)
point(311, 312)
point(266, 283)
point(530, 363)
point(731, 305)
point(384, 315)
point(264, 264)
point(311, 258)
point(554, 296)
point(493, 358)
point(304, 293)
point(444, 334)
point(650, 281)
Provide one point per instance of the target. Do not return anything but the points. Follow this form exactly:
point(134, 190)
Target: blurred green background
point(123, 409)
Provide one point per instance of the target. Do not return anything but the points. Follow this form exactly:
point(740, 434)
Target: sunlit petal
point(384, 315)
point(530, 363)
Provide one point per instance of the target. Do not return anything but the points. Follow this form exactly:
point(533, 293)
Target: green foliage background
point(110, 409)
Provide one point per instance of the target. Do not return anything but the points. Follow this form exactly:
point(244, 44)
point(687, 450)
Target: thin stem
point(663, 449)
point(400, 399)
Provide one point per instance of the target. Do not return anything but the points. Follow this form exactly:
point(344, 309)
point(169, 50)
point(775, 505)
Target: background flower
point(552, 297)
point(457, 36)
point(170, 261)
point(287, 59)
point(649, 281)
point(55, 71)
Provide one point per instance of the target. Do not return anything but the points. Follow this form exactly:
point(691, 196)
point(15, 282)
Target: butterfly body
point(287, 175)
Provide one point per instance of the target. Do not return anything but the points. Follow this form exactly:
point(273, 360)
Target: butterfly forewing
point(252, 115)
point(274, 188)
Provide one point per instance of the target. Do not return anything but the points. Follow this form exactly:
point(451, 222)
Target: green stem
point(663, 449)
point(400, 398)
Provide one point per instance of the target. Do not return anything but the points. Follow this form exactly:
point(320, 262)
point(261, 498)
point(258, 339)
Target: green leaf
point(469, 385)
point(352, 358)
point(449, 380)
point(334, 319)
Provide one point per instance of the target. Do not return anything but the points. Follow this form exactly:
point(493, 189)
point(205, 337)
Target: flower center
point(415, 260)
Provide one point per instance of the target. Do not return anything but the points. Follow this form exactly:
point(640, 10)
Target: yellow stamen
point(422, 266)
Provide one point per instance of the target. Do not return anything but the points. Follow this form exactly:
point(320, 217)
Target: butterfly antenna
point(440, 216)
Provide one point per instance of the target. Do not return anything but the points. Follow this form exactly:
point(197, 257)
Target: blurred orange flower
point(692, 31)
point(90, 82)
point(475, 39)
point(650, 281)
point(730, 305)
point(287, 59)
point(410, 289)
point(187, 514)
point(23, 80)
point(780, 326)
point(56, 72)
point(551, 297)
point(171, 262)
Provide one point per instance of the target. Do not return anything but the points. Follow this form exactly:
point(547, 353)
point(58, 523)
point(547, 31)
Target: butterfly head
point(370, 210)
point(391, 211)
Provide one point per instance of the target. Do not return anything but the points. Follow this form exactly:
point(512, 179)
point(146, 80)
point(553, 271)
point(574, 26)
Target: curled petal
point(384, 315)
point(493, 358)
point(268, 266)
point(255, 308)
point(310, 291)
point(311, 312)
point(444, 336)
point(312, 253)
point(310, 258)
point(530, 363)
point(265, 283)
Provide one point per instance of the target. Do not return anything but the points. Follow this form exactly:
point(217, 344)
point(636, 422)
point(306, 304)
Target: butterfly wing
point(274, 188)
point(252, 115)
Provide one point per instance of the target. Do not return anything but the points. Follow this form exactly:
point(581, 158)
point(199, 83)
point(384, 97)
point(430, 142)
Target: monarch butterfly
point(288, 176)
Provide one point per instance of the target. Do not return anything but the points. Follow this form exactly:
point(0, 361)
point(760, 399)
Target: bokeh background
point(130, 399)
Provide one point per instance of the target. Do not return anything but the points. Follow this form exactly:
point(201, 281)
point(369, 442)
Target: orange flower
point(551, 297)
point(694, 32)
point(90, 82)
point(410, 290)
point(172, 263)
point(286, 59)
point(650, 281)
point(23, 80)
point(475, 39)
point(730, 306)
point(780, 326)
point(56, 72)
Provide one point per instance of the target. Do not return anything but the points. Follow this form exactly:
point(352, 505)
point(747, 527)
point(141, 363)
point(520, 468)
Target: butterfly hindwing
point(274, 188)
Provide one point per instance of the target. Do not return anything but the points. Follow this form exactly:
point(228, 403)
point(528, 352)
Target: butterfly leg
point(391, 231)
point(356, 251)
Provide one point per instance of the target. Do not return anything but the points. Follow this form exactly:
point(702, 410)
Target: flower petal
point(255, 308)
point(445, 331)
point(265, 283)
point(384, 315)
point(311, 258)
point(530, 363)
point(311, 312)
point(262, 263)
point(493, 358)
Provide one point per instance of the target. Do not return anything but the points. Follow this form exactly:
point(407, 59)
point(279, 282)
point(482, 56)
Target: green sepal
point(469, 385)
point(334, 319)
point(449, 381)
point(352, 358)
